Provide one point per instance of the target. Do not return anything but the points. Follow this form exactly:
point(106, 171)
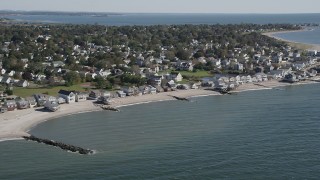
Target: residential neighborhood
point(102, 69)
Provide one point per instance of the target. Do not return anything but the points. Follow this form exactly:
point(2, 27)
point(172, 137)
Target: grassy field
point(199, 74)
point(53, 91)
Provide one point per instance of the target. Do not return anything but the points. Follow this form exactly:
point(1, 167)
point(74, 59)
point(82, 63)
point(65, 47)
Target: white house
point(176, 76)
point(121, 94)
point(6, 80)
point(80, 96)
point(69, 96)
point(22, 83)
point(3, 71)
point(11, 73)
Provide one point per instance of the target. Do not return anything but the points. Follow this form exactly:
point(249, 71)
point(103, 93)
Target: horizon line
point(279, 13)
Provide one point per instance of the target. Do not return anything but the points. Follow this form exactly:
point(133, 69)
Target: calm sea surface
point(311, 36)
point(268, 134)
point(155, 19)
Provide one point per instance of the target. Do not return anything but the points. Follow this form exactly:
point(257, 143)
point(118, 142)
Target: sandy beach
point(17, 123)
point(297, 44)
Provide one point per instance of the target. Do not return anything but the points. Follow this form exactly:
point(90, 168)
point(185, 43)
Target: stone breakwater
point(63, 146)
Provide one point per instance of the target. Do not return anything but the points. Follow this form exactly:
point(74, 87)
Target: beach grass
point(300, 46)
point(53, 91)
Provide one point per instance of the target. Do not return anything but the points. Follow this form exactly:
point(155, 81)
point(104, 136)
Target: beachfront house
point(51, 106)
point(105, 100)
point(144, 90)
point(61, 100)
point(95, 94)
point(69, 96)
point(156, 80)
point(128, 90)
point(43, 98)
point(291, 78)
point(22, 104)
point(32, 101)
point(121, 94)
point(176, 76)
point(152, 90)
point(10, 105)
point(81, 96)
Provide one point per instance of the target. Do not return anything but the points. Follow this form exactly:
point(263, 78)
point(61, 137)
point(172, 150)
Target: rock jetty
point(63, 146)
point(180, 98)
point(109, 108)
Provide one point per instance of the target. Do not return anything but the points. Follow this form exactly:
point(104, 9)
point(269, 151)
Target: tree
point(72, 78)
point(100, 83)
point(182, 54)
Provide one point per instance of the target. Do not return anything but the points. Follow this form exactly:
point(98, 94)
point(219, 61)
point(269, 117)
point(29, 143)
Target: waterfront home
point(10, 105)
point(95, 94)
point(207, 83)
point(312, 73)
point(152, 90)
point(43, 98)
point(129, 91)
point(22, 104)
point(61, 100)
point(261, 77)
point(51, 105)
point(104, 100)
point(144, 90)
point(156, 80)
point(277, 74)
point(183, 86)
point(195, 85)
point(69, 96)
point(290, 78)
point(172, 84)
point(249, 79)
point(176, 76)
point(81, 96)
point(220, 85)
point(121, 94)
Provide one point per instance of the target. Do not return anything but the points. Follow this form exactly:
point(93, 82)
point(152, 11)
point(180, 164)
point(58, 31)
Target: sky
point(166, 6)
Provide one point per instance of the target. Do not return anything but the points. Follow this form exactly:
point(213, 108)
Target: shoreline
point(300, 45)
point(15, 124)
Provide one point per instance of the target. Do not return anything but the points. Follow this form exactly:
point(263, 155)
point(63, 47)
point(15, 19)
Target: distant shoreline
point(298, 44)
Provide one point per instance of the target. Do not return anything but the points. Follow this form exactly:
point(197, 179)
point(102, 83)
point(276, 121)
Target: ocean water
point(311, 36)
point(155, 19)
point(267, 134)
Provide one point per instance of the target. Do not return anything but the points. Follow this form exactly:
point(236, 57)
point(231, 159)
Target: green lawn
point(53, 91)
point(198, 74)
